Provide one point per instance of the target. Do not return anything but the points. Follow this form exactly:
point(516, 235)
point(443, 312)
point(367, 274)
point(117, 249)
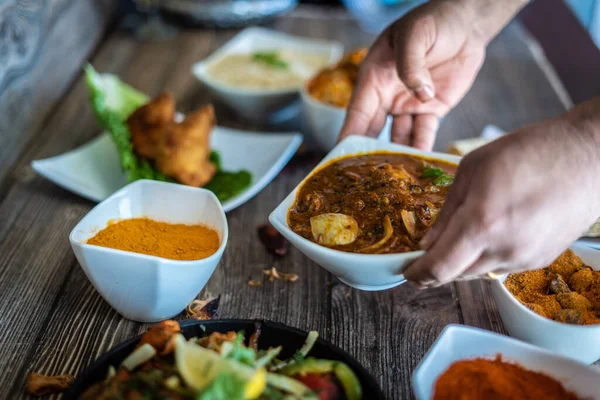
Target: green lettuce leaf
point(224, 387)
point(113, 101)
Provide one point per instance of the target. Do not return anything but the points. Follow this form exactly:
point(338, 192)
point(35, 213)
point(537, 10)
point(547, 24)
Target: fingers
point(456, 249)
point(402, 126)
point(455, 198)
point(411, 44)
point(425, 127)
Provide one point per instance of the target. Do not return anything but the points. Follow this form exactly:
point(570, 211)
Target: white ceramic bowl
point(324, 121)
point(141, 287)
point(361, 271)
point(458, 342)
point(581, 342)
point(257, 104)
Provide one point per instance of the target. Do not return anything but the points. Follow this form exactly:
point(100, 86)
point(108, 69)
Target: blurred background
point(372, 15)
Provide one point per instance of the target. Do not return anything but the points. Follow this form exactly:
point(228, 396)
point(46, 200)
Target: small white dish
point(259, 104)
point(361, 271)
point(324, 121)
point(581, 342)
point(94, 171)
point(141, 287)
point(458, 342)
point(593, 242)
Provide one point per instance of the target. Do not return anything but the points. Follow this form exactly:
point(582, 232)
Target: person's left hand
point(516, 203)
point(416, 71)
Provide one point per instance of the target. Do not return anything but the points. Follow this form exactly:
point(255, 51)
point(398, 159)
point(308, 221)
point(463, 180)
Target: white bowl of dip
point(581, 342)
point(253, 89)
point(324, 122)
point(458, 342)
point(141, 287)
point(361, 271)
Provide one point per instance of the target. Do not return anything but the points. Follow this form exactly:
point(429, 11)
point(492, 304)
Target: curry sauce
point(374, 203)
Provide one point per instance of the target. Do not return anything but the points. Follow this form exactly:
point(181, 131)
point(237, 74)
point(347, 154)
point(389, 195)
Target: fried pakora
point(179, 150)
point(335, 85)
point(184, 149)
point(149, 123)
point(566, 291)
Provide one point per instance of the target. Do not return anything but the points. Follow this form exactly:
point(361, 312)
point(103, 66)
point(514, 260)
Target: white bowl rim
point(454, 327)
point(199, 69)
point(123, 253)
point(550, 323)
point(328, 159)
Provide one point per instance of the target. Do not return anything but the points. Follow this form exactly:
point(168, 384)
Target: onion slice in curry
point(410, 222)
point(388, 231)
point(332, 229)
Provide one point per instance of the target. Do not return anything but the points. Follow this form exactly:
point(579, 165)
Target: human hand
point(516, 203)
point(421, 66)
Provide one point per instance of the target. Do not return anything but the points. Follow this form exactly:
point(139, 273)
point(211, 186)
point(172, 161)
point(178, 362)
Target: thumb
point(411, 45)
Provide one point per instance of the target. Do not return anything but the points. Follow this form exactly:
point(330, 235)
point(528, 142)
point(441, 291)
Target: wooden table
point(53, 321)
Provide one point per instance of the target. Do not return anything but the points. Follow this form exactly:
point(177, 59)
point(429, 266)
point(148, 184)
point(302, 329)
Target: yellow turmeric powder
point(146, 236)
point(566, 291)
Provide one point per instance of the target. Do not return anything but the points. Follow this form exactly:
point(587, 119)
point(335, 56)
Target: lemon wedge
point(199, 367)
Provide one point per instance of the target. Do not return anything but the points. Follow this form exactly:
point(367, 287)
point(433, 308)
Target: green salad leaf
point(226, 185)
point(226, 386)
point(238, 352)
point(113, 101)
point(270, 58)
point(444, 180)
point(430, 172)
point(441, 178)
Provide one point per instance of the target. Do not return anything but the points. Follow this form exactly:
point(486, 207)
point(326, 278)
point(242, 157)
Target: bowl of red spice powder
point(468, 363)
point(150, 248)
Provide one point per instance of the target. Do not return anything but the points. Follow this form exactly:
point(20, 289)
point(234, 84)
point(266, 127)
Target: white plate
point(257, 104)
point(458, 342)
point(94, 171)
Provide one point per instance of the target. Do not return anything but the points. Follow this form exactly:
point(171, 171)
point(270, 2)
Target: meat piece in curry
point(374, 203)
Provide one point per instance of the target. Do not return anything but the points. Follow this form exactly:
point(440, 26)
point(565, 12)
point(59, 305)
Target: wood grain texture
point(53, 321)
point(43, 46)
point(389, 332)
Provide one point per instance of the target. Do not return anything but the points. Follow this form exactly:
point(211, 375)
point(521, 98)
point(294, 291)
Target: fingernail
point(424, 93)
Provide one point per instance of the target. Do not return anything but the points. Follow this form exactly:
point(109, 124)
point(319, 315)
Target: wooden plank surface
point(43, 46)
point(53, 321)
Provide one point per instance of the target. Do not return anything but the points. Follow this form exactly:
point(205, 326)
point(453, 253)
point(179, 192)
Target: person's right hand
point(518, 202)
point(420, 67)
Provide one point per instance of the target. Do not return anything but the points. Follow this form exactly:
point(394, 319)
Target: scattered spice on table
point(566, 291)
point(41, 385)
point(496, 380)
point(273, 274)
point(253, 282)
point(162, 239)
point(203, 309)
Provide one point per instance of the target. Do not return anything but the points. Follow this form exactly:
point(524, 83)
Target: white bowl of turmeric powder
point(150, 248)
point(529, 319)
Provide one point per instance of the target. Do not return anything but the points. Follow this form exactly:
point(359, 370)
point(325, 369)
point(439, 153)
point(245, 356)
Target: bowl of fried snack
point(326, 96)
point(557, 307)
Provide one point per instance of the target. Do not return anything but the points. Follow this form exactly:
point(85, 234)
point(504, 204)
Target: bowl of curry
point(362, 211)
